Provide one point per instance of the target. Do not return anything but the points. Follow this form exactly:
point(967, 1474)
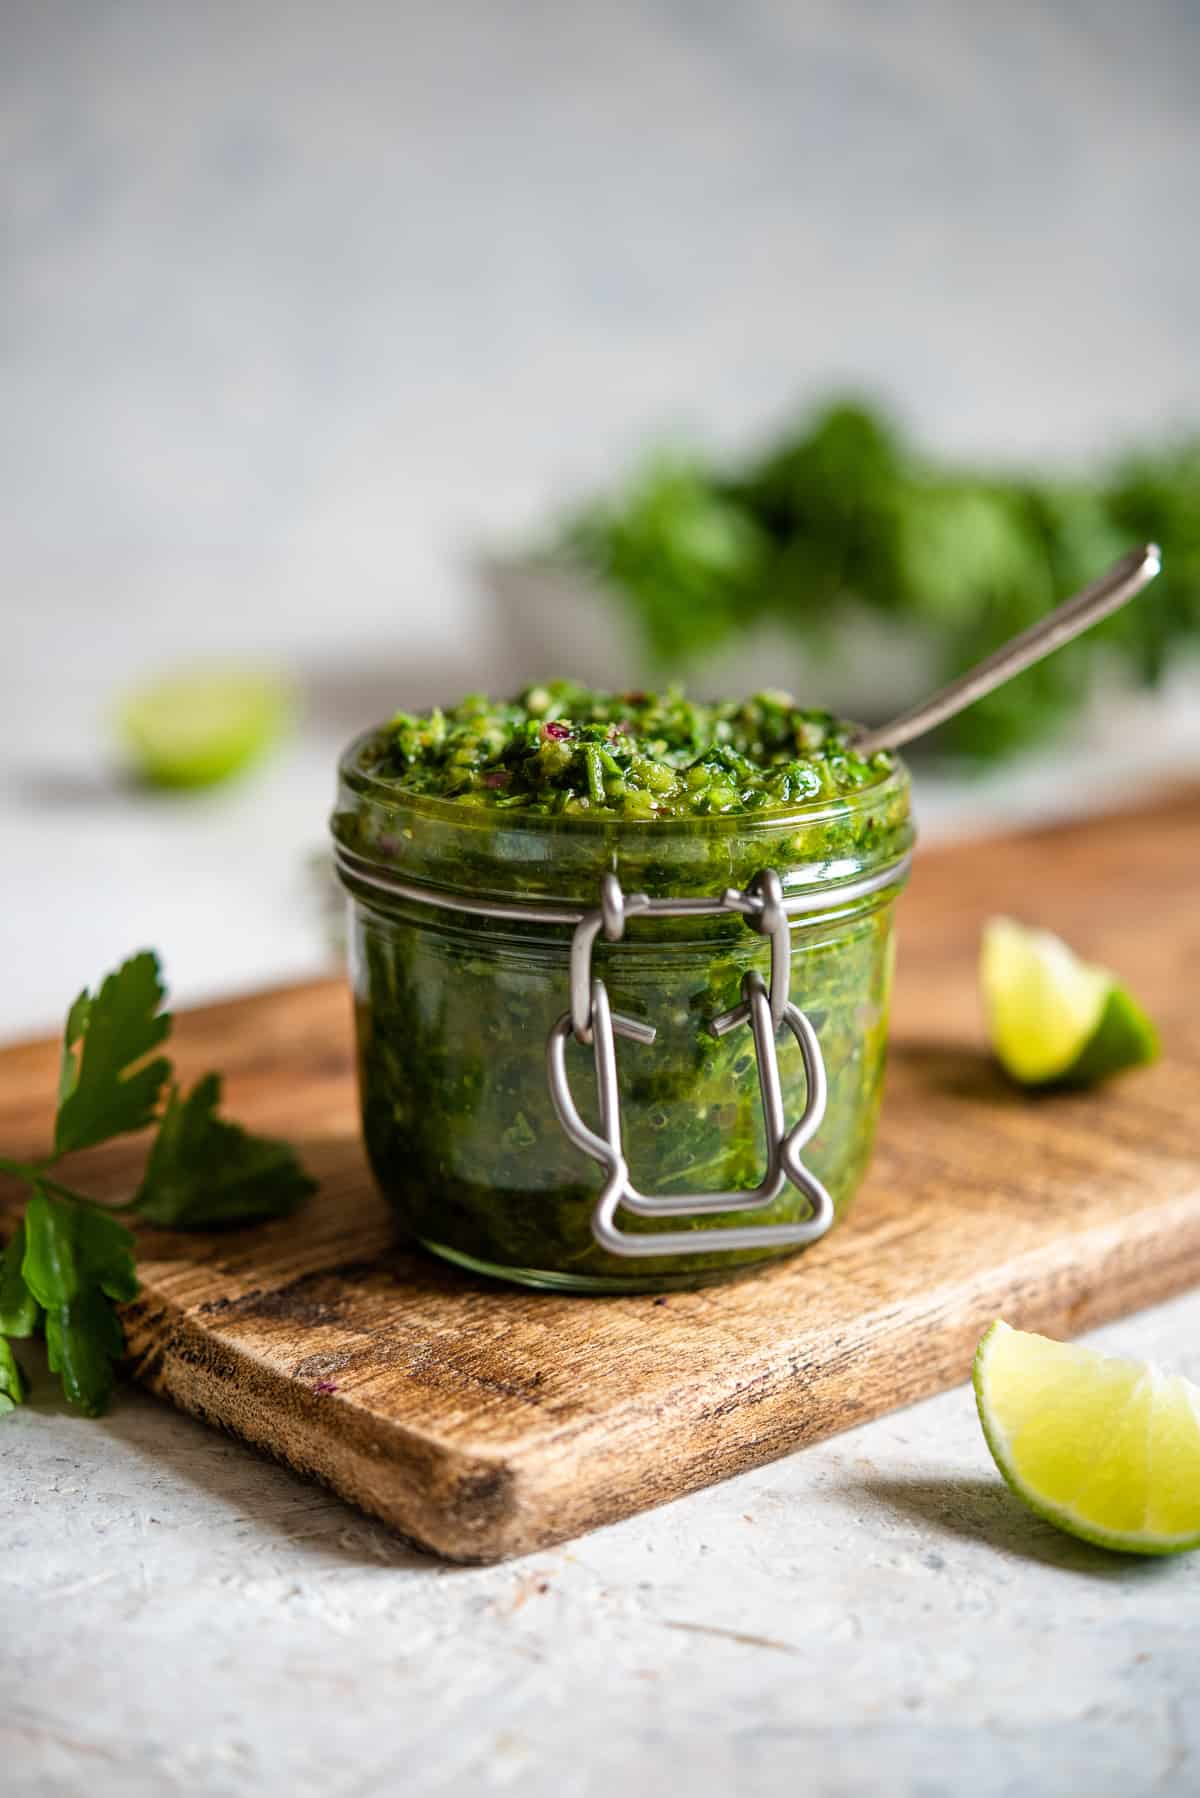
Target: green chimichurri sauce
point(562, 748)
point(453, 1010)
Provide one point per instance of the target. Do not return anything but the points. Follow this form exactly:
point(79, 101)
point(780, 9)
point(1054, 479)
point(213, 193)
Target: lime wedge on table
point(192, 730)
point(1106, 1449)
point(1053, 1018)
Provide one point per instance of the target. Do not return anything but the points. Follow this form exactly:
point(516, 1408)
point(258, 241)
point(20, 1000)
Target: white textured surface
point(874, 1615)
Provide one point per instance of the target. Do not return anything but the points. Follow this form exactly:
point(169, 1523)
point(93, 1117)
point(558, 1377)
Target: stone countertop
point(875, 1613)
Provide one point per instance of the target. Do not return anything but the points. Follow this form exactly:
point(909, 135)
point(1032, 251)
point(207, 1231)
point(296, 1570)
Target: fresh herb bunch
point(71, 1261)
point(843, 509)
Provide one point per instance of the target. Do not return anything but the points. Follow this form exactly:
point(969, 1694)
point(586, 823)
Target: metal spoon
point(1088, 607)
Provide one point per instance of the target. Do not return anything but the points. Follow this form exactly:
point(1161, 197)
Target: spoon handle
point(1088, 607)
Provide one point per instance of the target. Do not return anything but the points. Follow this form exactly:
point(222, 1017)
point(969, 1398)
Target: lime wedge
point(1053, 1019)
point(1108, 1450)
point(193, 730)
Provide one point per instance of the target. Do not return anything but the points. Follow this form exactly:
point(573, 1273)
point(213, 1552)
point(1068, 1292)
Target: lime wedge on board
point(193, 730)
point(1107, 1449)
point(1053, 1019)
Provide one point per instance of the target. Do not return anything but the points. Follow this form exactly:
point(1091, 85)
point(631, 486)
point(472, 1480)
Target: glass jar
point(462, 923)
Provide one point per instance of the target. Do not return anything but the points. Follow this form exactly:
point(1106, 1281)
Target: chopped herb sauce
point(565, 748)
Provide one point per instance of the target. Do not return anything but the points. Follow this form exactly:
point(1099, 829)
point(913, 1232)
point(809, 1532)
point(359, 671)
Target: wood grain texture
point(483, 1422)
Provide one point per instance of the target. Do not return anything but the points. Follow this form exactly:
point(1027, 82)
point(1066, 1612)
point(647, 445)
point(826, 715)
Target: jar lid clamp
point(591, 1021)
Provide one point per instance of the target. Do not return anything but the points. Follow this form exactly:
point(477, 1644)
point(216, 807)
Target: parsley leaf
point(106, 1034)
point(70, 1262)
point(13, 1385)
point(78, 1260)
point(84, 1340)
point(20, 1312)
point(204, 1172)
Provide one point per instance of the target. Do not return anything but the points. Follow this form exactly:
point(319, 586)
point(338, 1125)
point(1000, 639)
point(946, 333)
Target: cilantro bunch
point(71, 1261)
point(843, 513)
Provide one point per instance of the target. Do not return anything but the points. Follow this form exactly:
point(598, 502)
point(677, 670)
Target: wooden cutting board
point(483, 1422)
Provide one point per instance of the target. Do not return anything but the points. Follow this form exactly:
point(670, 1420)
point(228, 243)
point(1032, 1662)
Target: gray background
point(301, 300)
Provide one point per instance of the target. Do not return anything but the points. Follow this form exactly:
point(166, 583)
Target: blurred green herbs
point(846, 512)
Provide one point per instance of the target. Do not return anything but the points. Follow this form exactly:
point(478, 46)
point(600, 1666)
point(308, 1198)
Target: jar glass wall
point(454, 1009)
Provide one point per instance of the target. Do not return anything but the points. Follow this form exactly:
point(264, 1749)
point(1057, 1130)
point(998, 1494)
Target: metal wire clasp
point(592, 1021)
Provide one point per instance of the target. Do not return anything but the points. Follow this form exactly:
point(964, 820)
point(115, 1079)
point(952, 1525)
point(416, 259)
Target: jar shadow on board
point(454, 1009)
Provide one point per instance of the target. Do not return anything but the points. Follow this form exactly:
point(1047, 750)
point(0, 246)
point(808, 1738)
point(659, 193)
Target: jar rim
point(479, 817)
point(500, 853)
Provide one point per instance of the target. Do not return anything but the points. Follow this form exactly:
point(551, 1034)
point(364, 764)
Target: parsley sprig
point(70, 1262)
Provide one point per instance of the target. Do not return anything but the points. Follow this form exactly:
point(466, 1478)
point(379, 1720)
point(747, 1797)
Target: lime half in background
point(203, 727)
point(1053, 1019)
point(1107, 1449)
